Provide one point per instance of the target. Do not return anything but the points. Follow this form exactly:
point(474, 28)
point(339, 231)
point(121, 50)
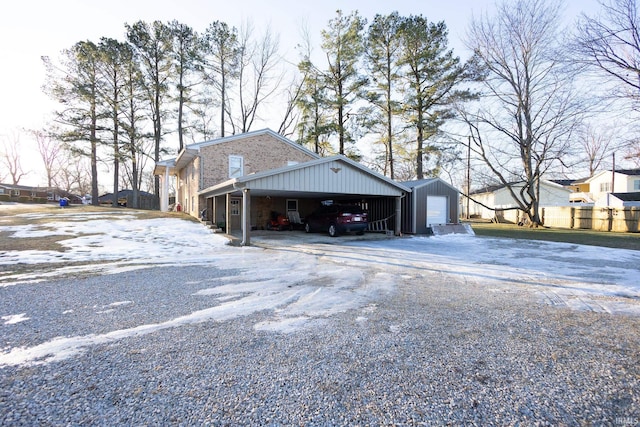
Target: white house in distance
point(499, 198)
point(606, 185)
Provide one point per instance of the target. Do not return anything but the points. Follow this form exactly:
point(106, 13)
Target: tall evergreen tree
point(342, 42)
point(221, 63)
point(186, 58)
point(75, 86)
point(113, 60)
point(314, 125)
point(153, 45)
point(431, 74)
point(134, 113)
point(383, 48)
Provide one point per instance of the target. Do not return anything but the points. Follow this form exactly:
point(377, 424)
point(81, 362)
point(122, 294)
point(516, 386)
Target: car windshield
point(351, 209)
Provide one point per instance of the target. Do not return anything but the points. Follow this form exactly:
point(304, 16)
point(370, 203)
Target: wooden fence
point(592, 218)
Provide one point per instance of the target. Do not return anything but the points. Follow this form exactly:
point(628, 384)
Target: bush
point(24, 199)
point(5, 198)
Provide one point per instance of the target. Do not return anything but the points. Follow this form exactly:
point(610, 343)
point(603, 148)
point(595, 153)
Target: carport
point(245, 203)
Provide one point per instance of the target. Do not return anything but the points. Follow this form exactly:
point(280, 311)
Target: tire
point(333, 231)
point(307, 228)
point(359, 233)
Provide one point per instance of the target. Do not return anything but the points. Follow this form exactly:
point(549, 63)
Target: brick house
point(239, 180)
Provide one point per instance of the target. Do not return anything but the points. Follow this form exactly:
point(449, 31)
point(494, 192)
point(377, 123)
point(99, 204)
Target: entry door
point(436, 210)
point(236, 213)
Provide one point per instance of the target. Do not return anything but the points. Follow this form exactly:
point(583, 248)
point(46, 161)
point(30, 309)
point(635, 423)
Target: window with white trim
point(636, 185)
point(236, 166)
point(605, 187)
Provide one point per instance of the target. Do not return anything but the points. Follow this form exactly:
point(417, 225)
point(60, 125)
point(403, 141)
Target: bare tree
point(50, 150)
point(259, 76)
point(597, 145)
point(74, 173)
point(528, 109)
point(610, 43)
point(10, 157)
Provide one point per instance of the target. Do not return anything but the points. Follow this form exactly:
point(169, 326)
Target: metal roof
point(328, 176)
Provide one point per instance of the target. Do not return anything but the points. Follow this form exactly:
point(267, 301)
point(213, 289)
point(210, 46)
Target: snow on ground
point(301, 279)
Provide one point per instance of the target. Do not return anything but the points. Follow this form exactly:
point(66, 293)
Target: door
point(437, 210)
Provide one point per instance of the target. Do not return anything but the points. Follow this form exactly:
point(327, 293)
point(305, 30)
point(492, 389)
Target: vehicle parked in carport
point(337, 219)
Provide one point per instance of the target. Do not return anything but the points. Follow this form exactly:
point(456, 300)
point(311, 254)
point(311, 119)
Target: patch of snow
point(14, 318)
point(300, 283)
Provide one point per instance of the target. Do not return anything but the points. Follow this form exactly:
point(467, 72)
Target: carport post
point(227, 220)
point(246, 217)
point(398, 216)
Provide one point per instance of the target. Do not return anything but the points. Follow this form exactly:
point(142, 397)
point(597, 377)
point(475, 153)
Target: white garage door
point(436, 210)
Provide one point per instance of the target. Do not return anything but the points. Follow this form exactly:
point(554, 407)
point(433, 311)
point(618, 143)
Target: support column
point(246, 217)
point(164, 198)
point(227, 219)
point(398, 216)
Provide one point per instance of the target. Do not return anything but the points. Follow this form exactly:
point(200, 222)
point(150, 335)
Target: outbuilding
point(431, 202)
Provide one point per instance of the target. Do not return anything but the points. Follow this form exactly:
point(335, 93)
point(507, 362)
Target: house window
point(236, 166)
point(292, 205)
point(15, 192)
point(636, 185)
point(605, 187)
point(235, 207)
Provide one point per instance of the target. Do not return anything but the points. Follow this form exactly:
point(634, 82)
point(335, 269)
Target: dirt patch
point(47, 243)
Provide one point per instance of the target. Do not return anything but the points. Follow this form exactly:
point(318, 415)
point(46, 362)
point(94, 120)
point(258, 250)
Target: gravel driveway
point(342, 342)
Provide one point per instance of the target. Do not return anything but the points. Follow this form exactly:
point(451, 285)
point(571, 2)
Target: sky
point(30, 29)
point(296, 283)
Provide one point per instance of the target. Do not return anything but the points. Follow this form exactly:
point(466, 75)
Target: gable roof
point(627, 172)
point(241, 136)
point(628, 197)
point(335, 175)
point(418, 183)
point(495, 188)
point(191, 151)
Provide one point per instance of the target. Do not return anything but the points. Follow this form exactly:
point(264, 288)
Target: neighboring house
point(125, 198)
point(24, 192)
point(432, 201)
point(602, 184)
point(36, 194)
point(238, 181)
point(499, 198)
point(620, 200)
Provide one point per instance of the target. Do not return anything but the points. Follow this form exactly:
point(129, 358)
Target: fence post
point(572, 219)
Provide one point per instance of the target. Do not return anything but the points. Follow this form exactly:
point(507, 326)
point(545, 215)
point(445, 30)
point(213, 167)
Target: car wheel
point(360, 233)
point(307, 228)
point(333, 232)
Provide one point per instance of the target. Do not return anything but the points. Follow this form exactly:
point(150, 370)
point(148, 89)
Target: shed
point(431, 201)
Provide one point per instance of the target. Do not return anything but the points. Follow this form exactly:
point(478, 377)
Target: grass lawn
point(582, 237)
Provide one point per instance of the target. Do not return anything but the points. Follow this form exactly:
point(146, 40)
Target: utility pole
point(468, 215)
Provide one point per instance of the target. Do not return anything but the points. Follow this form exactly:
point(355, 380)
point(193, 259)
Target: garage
point(431, 202)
